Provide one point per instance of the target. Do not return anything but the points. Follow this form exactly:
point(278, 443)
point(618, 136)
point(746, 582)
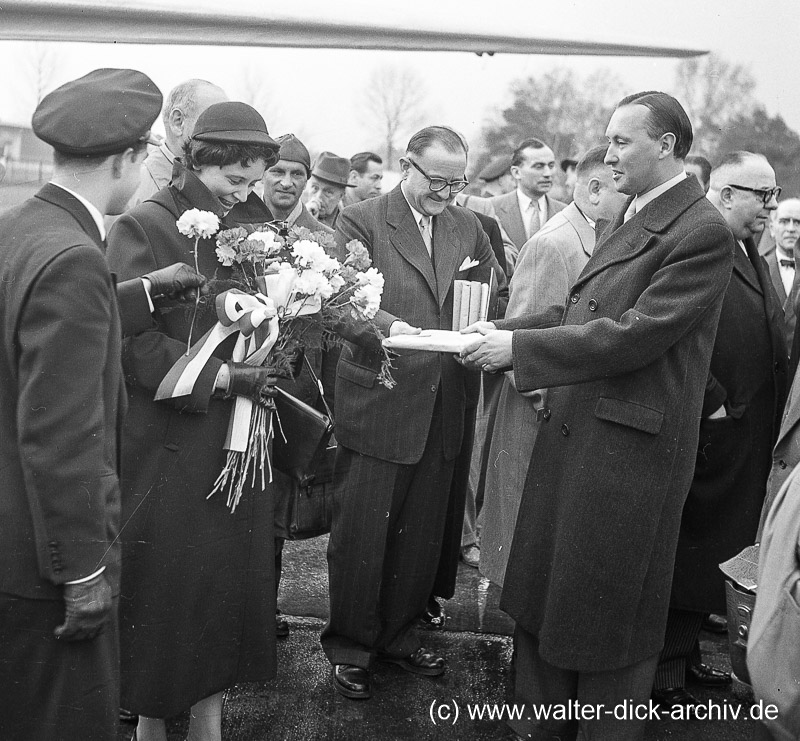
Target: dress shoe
point(422, 661)
point(351, 681)
point(673, 697)
point(471, 556)
point(433, 618)
point(126, 716)
point(281, 626)
point(707, 675)
point(715, 623)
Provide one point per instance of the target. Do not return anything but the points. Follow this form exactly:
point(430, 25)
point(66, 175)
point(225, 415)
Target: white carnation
point(196, 223)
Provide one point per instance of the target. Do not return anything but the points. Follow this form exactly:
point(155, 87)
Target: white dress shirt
point(526, 206)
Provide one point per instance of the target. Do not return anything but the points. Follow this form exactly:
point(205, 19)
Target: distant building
point(27, 158)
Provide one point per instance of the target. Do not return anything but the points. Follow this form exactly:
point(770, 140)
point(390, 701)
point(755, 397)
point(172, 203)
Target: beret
point(293, 150)
point(232, 123)
point(101, 113)
point(332, 169)
point(497, 167)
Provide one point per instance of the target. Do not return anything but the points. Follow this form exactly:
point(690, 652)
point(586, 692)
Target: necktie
point(425, 230)
point(786, 263)
point(631, 212)
point(535, 223)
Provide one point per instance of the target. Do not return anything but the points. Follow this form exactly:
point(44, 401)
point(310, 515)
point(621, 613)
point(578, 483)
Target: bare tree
point(37, 75)
point(393, 104)
point(714, 93)
point(253, 90)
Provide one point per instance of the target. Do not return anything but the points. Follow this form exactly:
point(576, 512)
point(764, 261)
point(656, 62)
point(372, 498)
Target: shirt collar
point(167, 152)
point(417, 214)
point(644, 198)
point(94, 212)
point(295, 213)
point(525, 202)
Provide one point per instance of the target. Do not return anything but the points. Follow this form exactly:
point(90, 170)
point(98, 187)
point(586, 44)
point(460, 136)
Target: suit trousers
point(384, 548)
point(543, 686)
point(55, 690)
point(681, 648)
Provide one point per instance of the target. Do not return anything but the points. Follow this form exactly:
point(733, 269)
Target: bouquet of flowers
point(287, 295)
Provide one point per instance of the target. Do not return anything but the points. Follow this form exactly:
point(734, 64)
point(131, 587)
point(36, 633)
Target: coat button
point(433, 389)
point(565, 430)
point(782, 463)
point(546, 414)
point(171, 446)
point(592, 305)
point(575, 297)
point(777, 366)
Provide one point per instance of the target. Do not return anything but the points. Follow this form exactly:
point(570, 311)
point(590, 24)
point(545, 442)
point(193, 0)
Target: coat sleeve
point(148, 356)
point(63, 338)
point(134, 308)
point(689, 283)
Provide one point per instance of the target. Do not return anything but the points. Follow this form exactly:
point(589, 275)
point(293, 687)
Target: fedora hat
point(332, 169)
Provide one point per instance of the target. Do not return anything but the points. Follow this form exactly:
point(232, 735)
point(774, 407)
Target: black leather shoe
point(281, 626)
point(673, 697)
point(707, 675)
point(421, 661)
point(433, 618)
point(715, 623)
point(351, 681)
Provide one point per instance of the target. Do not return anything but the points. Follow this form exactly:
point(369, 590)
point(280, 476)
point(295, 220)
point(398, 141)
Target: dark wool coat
point(748, 375)
point(198, 593)
point(591, 563)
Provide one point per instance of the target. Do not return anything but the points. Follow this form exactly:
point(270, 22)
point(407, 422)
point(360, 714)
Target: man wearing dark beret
point(61, 397)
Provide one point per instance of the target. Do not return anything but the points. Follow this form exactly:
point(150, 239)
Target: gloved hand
point(180, 281)
point(87, 608)
point(253, 381)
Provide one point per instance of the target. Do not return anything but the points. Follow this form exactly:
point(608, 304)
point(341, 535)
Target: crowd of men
point(597, 449)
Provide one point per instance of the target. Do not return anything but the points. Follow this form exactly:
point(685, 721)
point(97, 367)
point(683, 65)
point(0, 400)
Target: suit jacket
point(510, 218)
point(788, 303)
point(549, 264)
point(306, 220)
point(61, 397)
point(591, 563)
point(393, 424)
point(748, 375)
point(774, 635)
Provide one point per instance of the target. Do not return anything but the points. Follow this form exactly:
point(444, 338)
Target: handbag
point(304, 449)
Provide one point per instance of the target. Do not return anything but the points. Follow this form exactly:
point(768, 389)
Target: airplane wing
point(251, 24)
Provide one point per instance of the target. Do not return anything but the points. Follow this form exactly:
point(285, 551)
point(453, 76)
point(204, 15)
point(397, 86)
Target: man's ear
point(176, 121)
point(667, 143)
point(352, 177)
point(405, 166)
point(594, 188)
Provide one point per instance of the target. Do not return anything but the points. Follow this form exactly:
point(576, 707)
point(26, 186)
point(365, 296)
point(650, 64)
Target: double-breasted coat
point(748, 375)
point(592, 558)
point(198, 597)
point(61, 401)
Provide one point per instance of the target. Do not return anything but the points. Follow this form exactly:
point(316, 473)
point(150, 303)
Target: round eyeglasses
point(438, 184)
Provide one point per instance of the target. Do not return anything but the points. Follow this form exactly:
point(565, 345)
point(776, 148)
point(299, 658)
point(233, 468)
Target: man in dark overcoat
point(397, 446)
point(61, 397)
point(590, 568)
point(742, 410)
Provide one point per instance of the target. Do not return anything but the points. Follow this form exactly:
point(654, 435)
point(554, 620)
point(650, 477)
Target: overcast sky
point(315, 93)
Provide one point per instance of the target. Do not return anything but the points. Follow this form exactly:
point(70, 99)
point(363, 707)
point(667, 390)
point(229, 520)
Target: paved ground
point(300, 705)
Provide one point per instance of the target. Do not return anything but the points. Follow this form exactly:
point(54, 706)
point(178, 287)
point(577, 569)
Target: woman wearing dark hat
point(198, 600)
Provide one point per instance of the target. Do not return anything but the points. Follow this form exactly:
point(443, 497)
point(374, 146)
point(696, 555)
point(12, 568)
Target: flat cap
point(497, 167)
point(293, 150)
point(101, 113)
point(332, 169)
point(233, 123)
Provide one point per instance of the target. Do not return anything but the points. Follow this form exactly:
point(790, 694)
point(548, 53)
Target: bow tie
point(786, 263)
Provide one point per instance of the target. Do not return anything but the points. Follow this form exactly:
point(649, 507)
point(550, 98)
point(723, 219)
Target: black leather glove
point(180, 281)
point(253, 381)
point(87, 608)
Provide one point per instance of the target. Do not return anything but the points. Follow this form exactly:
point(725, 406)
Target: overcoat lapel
point(744, 268)
point(61, 198)
point(406, 239)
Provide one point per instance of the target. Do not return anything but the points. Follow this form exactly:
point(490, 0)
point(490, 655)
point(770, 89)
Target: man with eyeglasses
point(526, 209)
point(398, 446)
point(741, 416)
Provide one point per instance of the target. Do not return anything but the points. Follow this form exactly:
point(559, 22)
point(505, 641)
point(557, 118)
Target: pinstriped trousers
point(384, 548)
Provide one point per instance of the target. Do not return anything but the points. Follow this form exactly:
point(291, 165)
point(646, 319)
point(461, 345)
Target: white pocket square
point(467, 264)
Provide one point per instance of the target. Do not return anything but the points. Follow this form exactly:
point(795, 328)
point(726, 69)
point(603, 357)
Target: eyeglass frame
point(456, 186)
point(766, 194)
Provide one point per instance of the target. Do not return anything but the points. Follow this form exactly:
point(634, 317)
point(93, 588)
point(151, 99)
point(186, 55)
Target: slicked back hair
point(184, 97)
point(592, 160)
point(444, 136)
point(360, 162)
point(518, 157)
point(732, 159)
point(702, 163)
point(666, 117)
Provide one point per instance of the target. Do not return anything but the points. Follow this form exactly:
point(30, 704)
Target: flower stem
point(196, 300)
